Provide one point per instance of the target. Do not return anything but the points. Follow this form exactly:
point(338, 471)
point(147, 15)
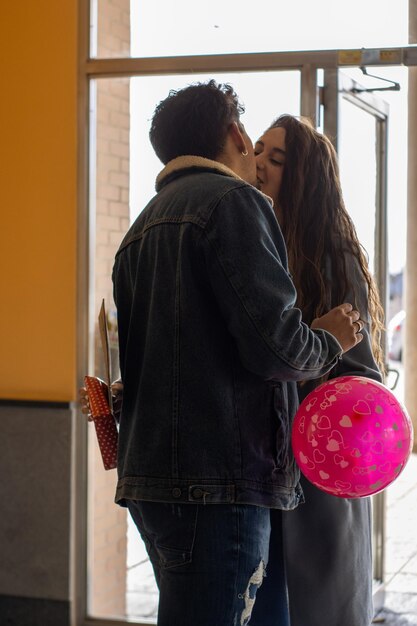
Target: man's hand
point(83, 401)
point(117, 392)
point(344, 323)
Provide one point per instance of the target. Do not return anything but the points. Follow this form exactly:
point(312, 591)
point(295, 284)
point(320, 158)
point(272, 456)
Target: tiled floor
point(400, 607)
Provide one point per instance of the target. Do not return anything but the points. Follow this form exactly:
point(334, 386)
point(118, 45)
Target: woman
point(327, 540)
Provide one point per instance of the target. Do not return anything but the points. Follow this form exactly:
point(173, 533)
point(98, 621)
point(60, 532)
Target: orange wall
point(38, 85)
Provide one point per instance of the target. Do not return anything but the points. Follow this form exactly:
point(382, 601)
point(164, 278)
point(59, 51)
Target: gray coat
point(327, 540)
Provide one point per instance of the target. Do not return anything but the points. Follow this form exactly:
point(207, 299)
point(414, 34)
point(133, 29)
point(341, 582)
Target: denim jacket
point(211, 347)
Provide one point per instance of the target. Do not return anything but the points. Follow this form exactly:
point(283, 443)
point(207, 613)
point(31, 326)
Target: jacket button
point(176, 492)
point(197, 493)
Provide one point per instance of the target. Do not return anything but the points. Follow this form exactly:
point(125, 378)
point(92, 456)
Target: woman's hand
point(344, 323)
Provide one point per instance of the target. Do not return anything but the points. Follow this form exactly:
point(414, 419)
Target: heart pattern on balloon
point(358, 443)
point(324, 423)
point(362, 408)
point(346, 422)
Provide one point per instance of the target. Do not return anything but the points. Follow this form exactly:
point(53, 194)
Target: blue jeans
point(209, 562)
point(271, 606)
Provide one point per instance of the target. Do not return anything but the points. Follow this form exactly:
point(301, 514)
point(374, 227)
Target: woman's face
point(270, 162)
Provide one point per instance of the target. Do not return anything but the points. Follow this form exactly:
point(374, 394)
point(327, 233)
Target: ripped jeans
point(209, 562)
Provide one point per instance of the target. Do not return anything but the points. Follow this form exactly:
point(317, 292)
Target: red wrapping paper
point(104, 422)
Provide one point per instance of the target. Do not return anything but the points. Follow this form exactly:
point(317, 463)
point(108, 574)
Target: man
point(211, 349)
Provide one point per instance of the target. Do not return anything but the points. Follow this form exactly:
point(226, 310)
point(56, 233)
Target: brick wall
point(108, 538)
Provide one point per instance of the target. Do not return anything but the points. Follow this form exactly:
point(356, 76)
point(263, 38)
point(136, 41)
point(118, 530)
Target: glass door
point(357, 122)
point(122, 174)
point(120, 95)
point(123, 169)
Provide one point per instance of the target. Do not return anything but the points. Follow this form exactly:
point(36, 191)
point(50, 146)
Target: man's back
point(203, 324)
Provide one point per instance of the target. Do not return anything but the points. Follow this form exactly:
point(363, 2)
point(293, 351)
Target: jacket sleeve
point(247, 269)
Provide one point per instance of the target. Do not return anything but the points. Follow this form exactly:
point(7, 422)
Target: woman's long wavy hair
point(318, 230)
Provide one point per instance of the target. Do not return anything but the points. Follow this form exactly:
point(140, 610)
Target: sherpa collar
point(189, 161)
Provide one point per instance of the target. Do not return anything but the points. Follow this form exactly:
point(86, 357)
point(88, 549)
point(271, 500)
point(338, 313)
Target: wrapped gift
point(104, 422)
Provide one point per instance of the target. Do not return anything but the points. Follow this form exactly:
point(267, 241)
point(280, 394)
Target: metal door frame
point(336, 86)
point(308, 63)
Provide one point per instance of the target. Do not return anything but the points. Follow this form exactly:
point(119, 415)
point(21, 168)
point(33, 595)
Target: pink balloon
point(351, 437)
